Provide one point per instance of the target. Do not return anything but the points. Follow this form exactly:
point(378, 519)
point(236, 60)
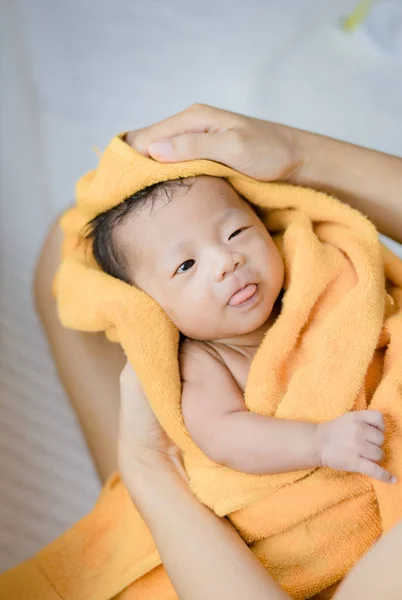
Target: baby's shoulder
point(197, 358)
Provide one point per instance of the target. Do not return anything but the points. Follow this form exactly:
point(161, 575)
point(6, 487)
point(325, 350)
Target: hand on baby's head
point(199, 249)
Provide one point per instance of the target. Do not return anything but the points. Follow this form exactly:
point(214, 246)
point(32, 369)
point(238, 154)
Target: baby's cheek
point(262, 252)
point(201, 306)
point(201, 313)
point(187, 309)
point(270, 265)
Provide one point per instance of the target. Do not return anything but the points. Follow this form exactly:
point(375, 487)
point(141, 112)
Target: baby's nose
point(228, 262)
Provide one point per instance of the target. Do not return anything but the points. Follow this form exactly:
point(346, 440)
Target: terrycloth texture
point(336, 346)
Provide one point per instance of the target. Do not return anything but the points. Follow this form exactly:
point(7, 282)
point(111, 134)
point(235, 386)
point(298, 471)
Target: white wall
point(74, 73)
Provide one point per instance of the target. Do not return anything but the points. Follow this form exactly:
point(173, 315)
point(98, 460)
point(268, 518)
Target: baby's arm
point(219, 422)
point(217, 419)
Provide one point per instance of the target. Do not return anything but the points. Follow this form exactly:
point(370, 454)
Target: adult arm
point(368, 180)
point(202, 553)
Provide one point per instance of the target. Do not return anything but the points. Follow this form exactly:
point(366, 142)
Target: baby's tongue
point(243, 295)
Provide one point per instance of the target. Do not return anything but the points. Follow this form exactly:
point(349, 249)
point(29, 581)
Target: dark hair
point(100, 231)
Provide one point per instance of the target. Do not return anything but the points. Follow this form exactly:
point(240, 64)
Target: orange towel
point(336, 346)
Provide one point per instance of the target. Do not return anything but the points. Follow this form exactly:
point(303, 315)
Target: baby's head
point(199, 249)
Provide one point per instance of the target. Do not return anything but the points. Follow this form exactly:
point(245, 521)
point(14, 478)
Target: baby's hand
point(353, 442)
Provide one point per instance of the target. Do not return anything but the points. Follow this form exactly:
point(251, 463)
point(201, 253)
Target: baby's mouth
point(242, 295)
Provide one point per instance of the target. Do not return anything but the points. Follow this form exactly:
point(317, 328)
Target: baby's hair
point(100, 232)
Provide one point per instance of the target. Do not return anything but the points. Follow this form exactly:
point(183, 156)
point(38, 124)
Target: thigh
point(88, 365)
point(378, 573)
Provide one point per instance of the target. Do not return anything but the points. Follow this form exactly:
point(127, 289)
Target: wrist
point(149, 468)
point(303, 150)
point(319, 444)
point(313, 168)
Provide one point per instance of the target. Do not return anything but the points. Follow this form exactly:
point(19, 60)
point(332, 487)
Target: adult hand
point(269, 151)
point(141, 438)
point(260, 149)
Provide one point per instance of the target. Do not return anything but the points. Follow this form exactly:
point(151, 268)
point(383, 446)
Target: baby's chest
point(236, 363)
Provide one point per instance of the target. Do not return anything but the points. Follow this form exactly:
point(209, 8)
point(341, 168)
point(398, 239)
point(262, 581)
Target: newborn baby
point(200, 250)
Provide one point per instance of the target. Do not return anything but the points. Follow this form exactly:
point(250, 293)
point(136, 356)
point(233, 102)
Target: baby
point(200, 250)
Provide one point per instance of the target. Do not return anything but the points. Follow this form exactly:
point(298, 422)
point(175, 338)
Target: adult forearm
point(368, 180)
point(252, 443)
point(203, 555)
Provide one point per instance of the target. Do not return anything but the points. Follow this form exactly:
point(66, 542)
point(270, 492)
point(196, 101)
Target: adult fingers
point(132, 396)
point(222, 147)
point(128, 377)
point(198, 118)
point(367, 467)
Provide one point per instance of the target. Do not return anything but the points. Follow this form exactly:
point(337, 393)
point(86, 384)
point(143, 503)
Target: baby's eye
point(186, 266)
point(235, 233)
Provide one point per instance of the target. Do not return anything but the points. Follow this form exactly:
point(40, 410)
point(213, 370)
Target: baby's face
point(206, 258)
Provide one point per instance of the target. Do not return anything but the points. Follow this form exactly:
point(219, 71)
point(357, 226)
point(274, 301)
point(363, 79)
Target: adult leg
point(378, 573)
point(88, 365)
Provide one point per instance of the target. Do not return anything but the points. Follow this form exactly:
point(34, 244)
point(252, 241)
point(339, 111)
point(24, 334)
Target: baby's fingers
point(373, 418)
point(374, 436)
point(367, 467)
point(372, 452)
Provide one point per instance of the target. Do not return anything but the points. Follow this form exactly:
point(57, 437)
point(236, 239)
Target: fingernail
point(140, 148)
point(160, 148)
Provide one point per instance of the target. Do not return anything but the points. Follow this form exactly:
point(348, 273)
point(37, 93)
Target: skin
point(194, 253)
point(368, 180)
point(219, 564)
point(197, 255)
point(261, 149)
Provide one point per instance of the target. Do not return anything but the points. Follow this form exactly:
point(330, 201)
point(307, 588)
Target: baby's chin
point(237, 327)
point(232, 323)
point(244, 330)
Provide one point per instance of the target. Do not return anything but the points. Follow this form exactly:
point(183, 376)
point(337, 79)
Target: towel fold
point(336, 346)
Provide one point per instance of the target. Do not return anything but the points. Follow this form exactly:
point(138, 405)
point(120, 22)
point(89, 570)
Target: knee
point(46, 266)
